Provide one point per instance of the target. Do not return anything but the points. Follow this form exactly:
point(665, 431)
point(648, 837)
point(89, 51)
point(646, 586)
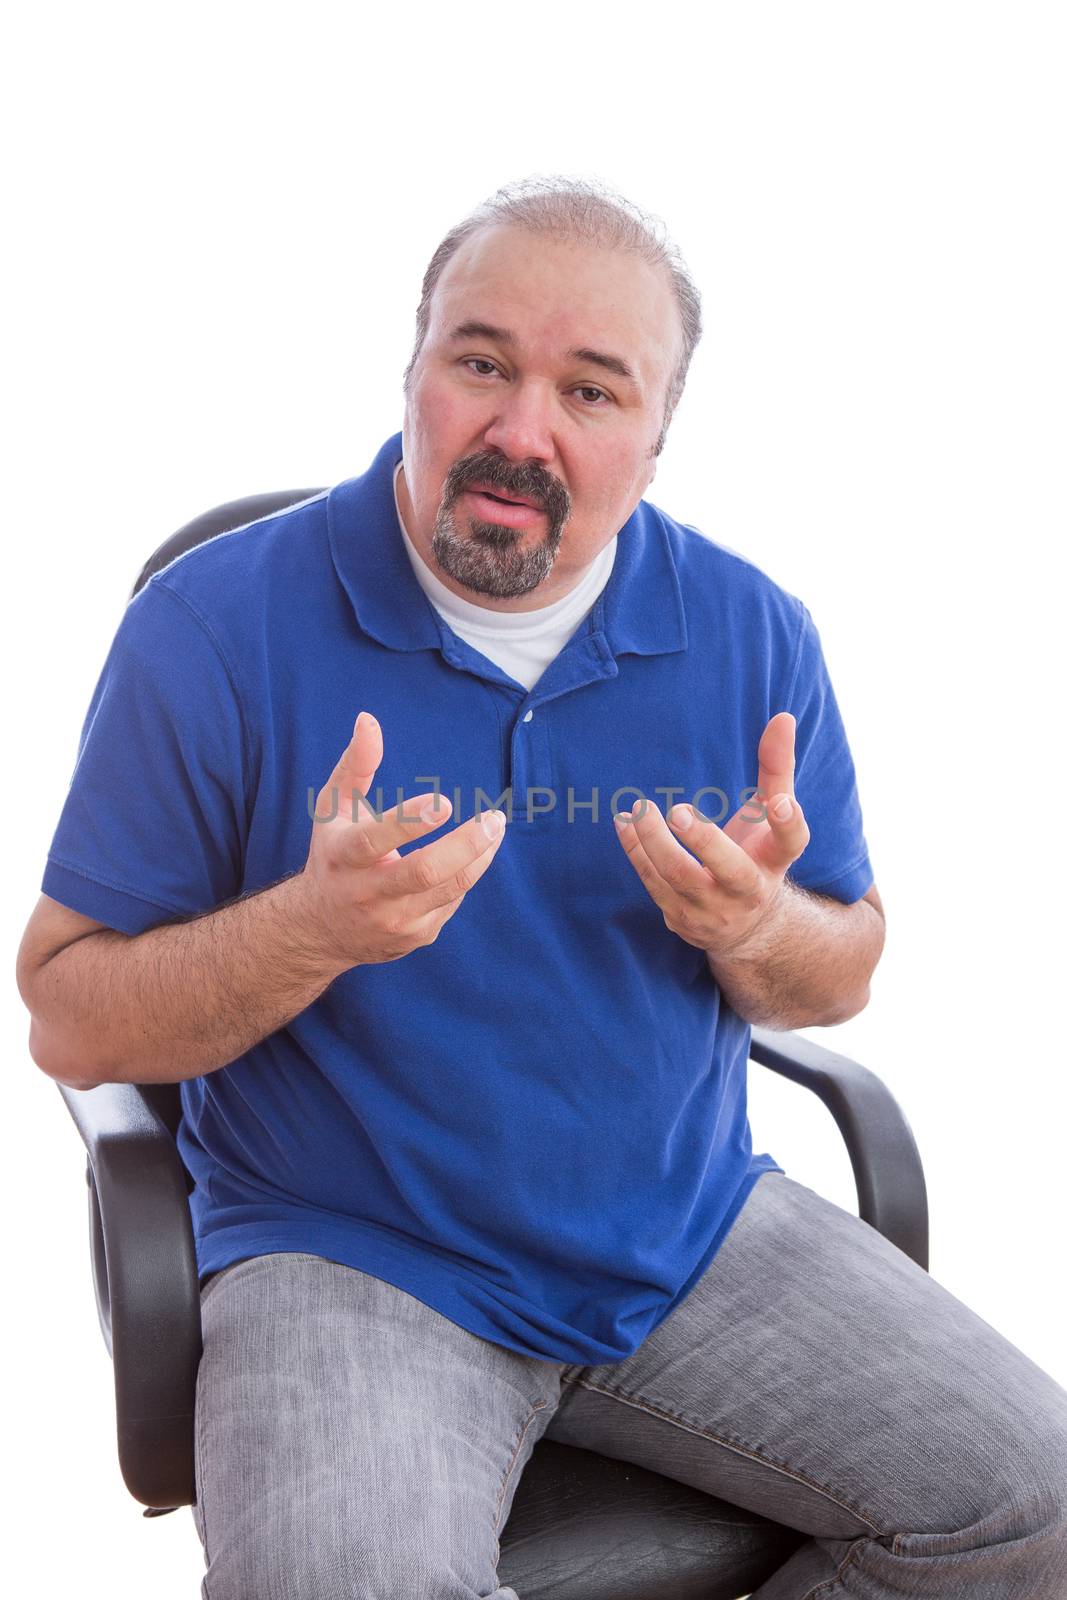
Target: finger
point(787, 838)
point(712, 852)
point(444, 871)
point(638, 858)
point(777, 756)
point(682, 915)
point(355, 769)
point(369, 837)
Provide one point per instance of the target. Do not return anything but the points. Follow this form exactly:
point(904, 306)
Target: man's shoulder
point(715, 574)
point(253, 543)
point(245, 571)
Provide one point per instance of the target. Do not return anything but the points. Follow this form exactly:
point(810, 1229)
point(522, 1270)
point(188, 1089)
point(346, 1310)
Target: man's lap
point(815, 1374)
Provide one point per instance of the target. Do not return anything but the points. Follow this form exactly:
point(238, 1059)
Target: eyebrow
point(597, 358)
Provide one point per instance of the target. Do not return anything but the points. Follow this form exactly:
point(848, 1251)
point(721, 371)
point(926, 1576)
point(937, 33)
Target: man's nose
point(521, 428)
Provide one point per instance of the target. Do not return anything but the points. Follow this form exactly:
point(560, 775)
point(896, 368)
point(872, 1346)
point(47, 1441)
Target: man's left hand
point(726, 896)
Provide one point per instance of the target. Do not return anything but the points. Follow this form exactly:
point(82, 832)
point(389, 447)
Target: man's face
point(542, 380)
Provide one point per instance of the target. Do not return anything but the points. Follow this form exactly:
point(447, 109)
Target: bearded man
point(465, 1104)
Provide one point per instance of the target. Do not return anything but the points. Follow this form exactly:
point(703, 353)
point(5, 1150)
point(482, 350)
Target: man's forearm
point(810, 967)
point(179, 1000)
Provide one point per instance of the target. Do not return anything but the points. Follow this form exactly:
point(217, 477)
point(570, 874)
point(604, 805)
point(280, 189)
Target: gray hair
point(578, 209)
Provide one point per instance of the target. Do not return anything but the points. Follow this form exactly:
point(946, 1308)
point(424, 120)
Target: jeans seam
point(539, 1406)
point(198, 1481)
point(641, 1404)
point(824, 1587)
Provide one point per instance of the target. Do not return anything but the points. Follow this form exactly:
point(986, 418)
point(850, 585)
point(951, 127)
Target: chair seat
point(585, 1527)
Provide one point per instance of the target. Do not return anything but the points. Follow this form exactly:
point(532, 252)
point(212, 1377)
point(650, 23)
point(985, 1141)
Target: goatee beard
point(490, 559)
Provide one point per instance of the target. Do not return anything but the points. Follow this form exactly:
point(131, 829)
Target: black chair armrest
point(147, 1286)
point(890, 1185)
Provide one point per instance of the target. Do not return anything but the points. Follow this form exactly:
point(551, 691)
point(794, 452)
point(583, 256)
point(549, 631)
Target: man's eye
point(480, 361)
point(587, 389)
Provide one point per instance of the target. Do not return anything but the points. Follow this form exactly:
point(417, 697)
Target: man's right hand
point(364, 902)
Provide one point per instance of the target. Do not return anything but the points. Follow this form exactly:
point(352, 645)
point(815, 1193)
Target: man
point(467, 1117)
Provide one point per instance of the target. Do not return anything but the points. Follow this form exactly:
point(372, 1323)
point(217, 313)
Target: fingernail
point(493, 823)
point(783, 810)
point(682, 816)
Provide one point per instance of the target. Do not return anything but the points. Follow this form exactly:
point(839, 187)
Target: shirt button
point(528, 717)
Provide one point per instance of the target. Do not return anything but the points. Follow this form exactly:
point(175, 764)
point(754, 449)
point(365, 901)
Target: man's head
point(552, 342)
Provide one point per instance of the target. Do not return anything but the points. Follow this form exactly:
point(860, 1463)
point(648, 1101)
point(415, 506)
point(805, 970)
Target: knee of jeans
point(363, 1557)
point(1039, 1479)
point(1051, 1488)
point(1026, 1515)
point(310, 1567)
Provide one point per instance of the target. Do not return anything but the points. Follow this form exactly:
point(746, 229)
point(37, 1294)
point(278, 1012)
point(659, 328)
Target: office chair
point(582, 1526)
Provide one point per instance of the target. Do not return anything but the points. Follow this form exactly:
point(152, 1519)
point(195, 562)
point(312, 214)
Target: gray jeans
point(353, 1444)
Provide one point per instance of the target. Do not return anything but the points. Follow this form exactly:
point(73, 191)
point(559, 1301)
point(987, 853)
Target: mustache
point(525, 481)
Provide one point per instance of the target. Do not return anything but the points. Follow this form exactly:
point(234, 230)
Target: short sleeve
point(152, 828)
point(835, 862)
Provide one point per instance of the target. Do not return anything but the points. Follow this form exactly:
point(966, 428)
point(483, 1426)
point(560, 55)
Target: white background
point(221, 218)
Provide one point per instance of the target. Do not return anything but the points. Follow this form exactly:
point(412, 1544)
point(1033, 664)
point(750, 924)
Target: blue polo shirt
point(537, 1125)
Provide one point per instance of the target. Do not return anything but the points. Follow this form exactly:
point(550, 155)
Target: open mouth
point(502, 497)
point(505, 499)
point(489, 505)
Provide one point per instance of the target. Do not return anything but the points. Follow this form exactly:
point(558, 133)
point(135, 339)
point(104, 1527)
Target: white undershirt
point(521, 642)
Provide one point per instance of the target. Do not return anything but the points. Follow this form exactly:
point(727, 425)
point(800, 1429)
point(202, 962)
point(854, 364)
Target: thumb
point(358, 763)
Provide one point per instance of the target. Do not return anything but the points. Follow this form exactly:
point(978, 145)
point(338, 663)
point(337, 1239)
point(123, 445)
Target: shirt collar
point(640, 609)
